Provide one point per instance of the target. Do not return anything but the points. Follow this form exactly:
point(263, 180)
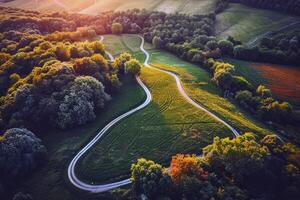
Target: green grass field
point(51, 182)
point(199, 87)
point(245, 23)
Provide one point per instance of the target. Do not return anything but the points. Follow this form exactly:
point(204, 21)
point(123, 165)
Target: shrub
point(117, 28)
point(186, 165)
point(133, 67)
point(157, 42)
point(20, 153)
point(81, 100)
point(149, 178)
point(226, 47)
point(240, 157)
point(119, 62)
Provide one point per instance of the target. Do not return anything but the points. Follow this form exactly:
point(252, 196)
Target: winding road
point(105, 187)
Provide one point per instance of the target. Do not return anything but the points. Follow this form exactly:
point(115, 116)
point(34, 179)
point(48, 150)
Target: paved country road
point(105, 187)
point(182, 92)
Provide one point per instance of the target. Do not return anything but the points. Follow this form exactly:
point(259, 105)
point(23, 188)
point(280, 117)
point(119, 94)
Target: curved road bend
point(182, 92)
point(105, 187)
point(71, 169)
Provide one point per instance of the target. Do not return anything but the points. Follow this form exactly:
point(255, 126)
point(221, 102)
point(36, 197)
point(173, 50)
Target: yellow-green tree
point(133, 67)
point(117, 28)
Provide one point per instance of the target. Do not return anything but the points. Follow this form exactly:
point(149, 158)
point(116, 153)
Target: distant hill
point(48, 5)
point(95, 6)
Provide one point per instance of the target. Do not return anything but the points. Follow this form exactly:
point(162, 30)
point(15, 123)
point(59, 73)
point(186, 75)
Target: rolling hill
point(246, 23)
point(95, 6)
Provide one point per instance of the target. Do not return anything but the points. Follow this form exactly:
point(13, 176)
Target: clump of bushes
point(21, 152)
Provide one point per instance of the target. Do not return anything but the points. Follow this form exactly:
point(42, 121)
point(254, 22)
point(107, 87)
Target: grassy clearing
point(51, 181)
point(168, 125)
point(245, 23)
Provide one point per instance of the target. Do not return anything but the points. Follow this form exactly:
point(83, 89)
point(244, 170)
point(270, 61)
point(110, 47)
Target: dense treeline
point(50, 77)
point(282, 48)
point(241, 168)
point(287, 6)
point(39, 74)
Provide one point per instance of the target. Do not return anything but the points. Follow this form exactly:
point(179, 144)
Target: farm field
point(245, 23)
point(51, 179)
point(282, 80)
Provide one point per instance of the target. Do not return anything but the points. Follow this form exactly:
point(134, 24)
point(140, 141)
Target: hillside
point(90, 7)
point(246, 23)
point(49, 5)
point(168, 6)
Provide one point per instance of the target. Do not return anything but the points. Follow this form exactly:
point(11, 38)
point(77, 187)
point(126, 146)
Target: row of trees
point(240, 168)
point(280, 49)
point(258, 101)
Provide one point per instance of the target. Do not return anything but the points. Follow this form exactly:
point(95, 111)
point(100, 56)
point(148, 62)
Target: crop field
point(288, 77)
point(281, 79)
point(62, 145)
point(245, 23)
